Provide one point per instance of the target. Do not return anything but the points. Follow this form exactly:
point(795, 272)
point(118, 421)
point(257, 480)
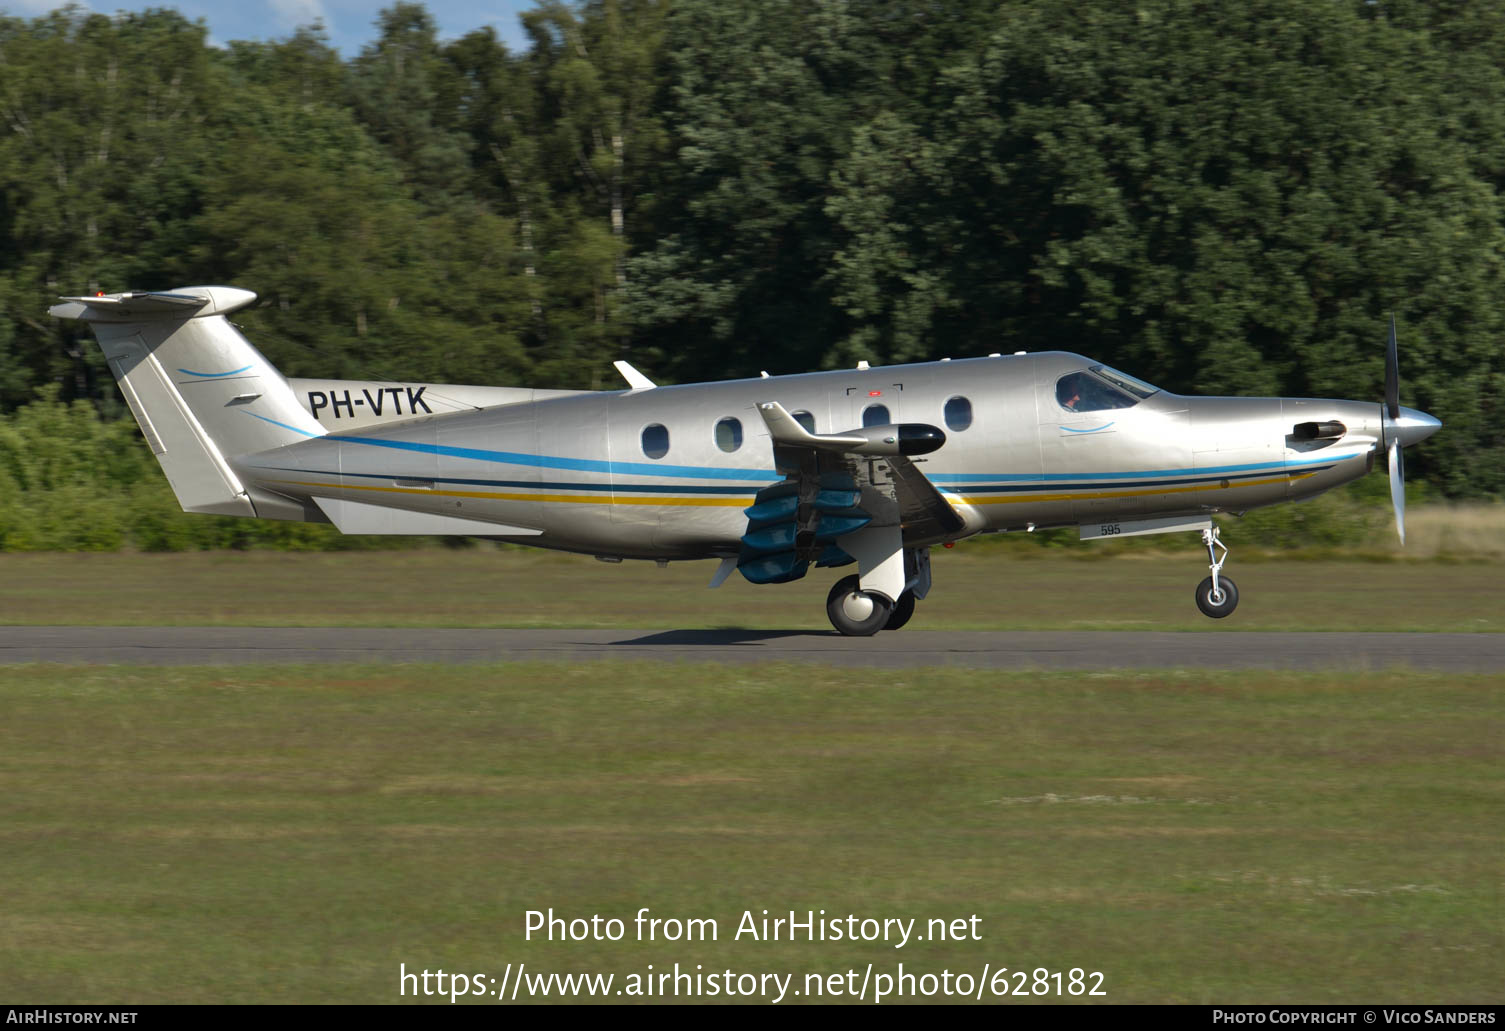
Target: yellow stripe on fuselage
point(742, 502)
point(1109, 494)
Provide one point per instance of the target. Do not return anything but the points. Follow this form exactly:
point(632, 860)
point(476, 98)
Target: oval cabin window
point(729, 434)
point(875, 415)
point(958, 413)
point(655, 441)
point(805, 419)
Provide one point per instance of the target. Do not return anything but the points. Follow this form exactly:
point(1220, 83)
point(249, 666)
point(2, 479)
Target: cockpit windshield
point(1100, 389)
point(1138, 387)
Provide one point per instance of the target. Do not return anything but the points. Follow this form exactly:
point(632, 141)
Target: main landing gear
point(855, 612)
point(902, 611)
point(1217, 596)
point(858, 613)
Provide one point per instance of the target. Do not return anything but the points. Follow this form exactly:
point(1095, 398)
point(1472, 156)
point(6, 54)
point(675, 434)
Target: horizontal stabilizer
point(145, 305)
point(359, 517)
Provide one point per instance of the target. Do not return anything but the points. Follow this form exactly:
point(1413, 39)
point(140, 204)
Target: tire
point(902, 612)
point(1221, 607)
point(855, 612)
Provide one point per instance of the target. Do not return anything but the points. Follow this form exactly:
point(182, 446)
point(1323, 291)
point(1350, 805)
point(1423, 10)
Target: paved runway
point(176, 646)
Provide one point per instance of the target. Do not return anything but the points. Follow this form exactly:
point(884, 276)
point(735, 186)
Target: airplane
point(871, 466)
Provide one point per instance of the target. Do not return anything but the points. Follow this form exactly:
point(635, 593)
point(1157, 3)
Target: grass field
point(977, 588)
point(292, 835)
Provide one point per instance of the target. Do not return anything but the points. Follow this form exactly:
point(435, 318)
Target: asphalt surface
point(1055, 650)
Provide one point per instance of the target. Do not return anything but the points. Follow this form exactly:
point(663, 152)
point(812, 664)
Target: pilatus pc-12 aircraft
point(868, 467)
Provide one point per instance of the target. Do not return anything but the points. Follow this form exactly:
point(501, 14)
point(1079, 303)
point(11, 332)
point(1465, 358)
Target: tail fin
point(199, 391)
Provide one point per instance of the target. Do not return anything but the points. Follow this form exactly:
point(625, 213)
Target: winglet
point(909, 438)
point(784, 430)
point(635, 379)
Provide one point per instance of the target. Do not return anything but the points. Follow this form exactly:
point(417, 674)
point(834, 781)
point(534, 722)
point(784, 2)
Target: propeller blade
point(1398, 488)
point(1392, 374)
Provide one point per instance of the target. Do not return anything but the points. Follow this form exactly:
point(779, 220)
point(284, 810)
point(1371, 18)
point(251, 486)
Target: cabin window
point(729, 434)
point(806, 420)
point(958, 413)
point(1084, 392)
point(655, 441)
point(875, 415)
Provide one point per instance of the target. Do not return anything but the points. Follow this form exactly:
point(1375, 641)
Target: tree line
point(1219, 198)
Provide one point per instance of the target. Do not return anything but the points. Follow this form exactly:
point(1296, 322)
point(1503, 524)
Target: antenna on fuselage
point(635, 379)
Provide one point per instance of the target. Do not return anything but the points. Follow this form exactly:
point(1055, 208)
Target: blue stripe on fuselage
point(589, 465)
point(681, 488)
point(968, 478)
point(634, 488)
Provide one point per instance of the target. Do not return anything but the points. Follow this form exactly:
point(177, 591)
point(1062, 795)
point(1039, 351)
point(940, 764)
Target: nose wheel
point(1217, 601)
point(1217, 596)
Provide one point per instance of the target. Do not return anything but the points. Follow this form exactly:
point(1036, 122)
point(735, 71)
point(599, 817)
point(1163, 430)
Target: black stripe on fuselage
point(659, 488)
point(637, 488)
point(1034, 488)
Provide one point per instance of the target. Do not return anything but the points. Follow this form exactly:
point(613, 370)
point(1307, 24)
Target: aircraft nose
point(1413, 427)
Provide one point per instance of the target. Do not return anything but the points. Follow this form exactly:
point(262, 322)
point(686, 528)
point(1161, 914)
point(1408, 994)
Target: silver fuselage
point(575, 470)
point(574, 467)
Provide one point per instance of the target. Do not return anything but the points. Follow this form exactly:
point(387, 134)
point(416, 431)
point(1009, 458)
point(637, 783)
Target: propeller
point(1391, 437)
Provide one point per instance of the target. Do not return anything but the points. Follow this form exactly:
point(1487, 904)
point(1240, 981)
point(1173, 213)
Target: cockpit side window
point(1084, 392)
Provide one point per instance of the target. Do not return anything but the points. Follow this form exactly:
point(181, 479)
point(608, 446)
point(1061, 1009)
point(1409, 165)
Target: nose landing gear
point(1217, 596)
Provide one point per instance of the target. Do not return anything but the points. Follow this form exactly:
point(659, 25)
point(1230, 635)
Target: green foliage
point(70, 481)
point(1228, 201)
point(1222, 198)
point(1352, 518)
point(62, 472)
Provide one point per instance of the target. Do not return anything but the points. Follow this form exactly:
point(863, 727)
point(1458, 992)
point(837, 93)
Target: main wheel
point(1220, 606)
point(855, 612)
point(902, 611)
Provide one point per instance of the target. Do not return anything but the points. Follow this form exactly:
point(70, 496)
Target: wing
point(854, 496)
point(924, 515)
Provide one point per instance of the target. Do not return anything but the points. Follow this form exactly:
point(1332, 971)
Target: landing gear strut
point(1217, 596)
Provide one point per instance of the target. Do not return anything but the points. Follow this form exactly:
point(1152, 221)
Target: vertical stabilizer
point(201, 393)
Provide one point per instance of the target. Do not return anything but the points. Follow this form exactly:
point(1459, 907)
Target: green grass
point(293, 834)
point(975, 588)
